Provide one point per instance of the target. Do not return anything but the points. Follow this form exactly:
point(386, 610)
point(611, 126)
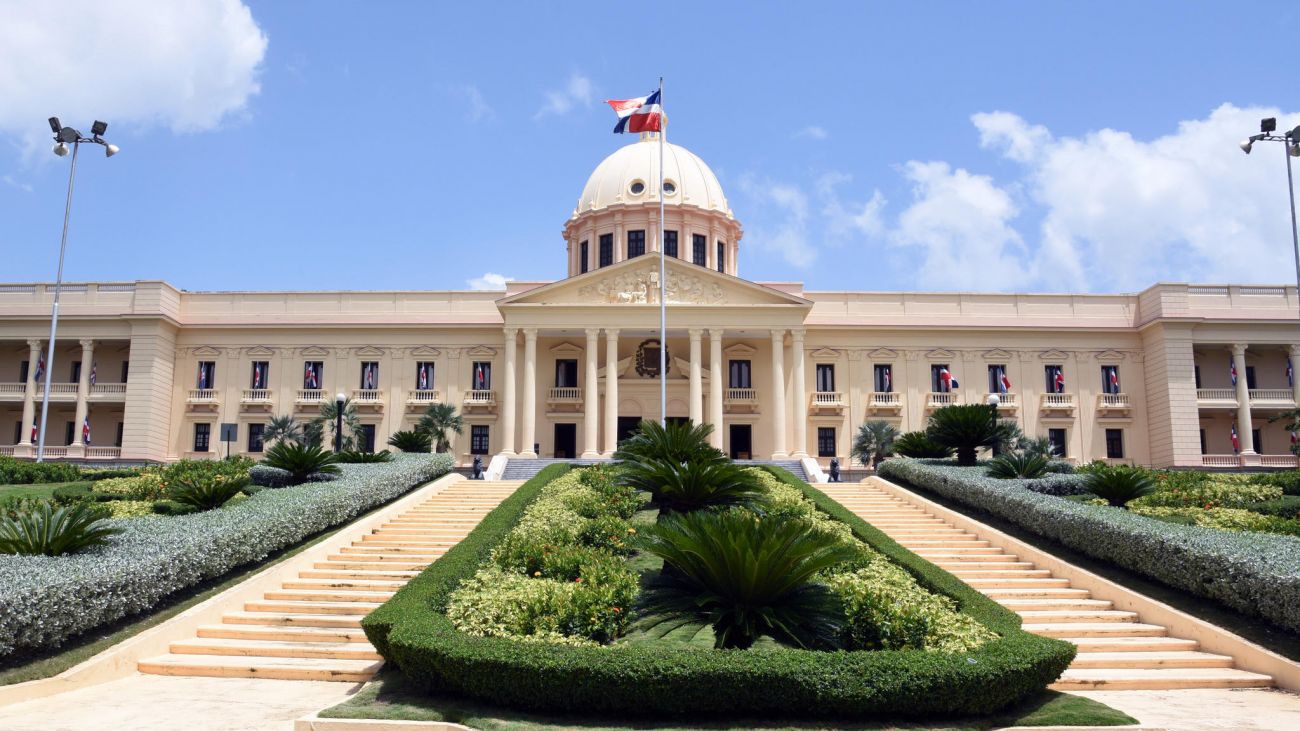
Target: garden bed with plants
point(573, 597)
point(121, 545)
point(1210, 535)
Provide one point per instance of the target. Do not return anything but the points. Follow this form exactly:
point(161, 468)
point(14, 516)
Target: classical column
point(611, 392)
point(508, 396)
point(717, 384)
point(591, 397)
point(1294, 355)
point(530, 394)
point(1244, 433)
point(697, 386)
point(29, 394)
point(800, 395)
point(778, 395)
point(83, 397)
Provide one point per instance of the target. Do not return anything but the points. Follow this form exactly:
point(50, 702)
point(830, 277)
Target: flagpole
point(663, 288)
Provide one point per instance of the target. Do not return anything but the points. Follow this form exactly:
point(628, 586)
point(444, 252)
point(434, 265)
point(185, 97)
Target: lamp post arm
point(54, 312)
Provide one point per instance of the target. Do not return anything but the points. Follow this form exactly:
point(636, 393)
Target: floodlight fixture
point(1268, 124)
point(98, 128)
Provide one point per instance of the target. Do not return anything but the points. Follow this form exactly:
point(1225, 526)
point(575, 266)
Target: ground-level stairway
point(310, 629)
point(1117, 650)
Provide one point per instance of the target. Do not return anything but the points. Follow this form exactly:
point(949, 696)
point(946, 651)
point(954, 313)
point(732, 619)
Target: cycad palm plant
point(918, 445)
point(46, 530)
point(1119, 485)
point(965, 428)
point(411, 441)
point(438, 421)
point(682, 487)
point(282, 429)
point(673, 442)
point(874, 442)
point(746, 577)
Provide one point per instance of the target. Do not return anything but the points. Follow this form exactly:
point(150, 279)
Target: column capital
point(1294, 350)
point(592, 333)
point(797, 335)
point(778, 337)
point(34, 343)
point(611, 332)
point(715, 333)
point(1238, 348)
point(510, 332)
point(87, 343)
point(530, 333)
point(696, 333)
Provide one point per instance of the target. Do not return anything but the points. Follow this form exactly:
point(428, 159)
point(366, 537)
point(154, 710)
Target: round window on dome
point(637, 187)
point(669, 187)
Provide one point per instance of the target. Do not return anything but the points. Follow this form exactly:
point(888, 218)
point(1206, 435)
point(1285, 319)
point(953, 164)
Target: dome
point(631, 175)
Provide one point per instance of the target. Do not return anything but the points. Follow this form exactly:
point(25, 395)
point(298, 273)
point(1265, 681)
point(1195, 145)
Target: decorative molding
point(854, 355)
point(942, 353)
point(425, 351)
point(914, 355)
point(882, 354)
point(650, 368)
point(567, 348)
point(261, 350)
point(998, 354)
point(480, 351)
point(1108, 356)
point(314, 350)
point(370, 351)
point(1054, 354)
point(641, 287)
point(207, 350)
point(824, 354)
point(970, 356)
point(739, 350)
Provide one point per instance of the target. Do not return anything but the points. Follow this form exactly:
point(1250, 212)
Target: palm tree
point(282, 429)
point(965, 428)
point(329, 411)
point(874, 442)
point(1040, 446)
point(438, 420)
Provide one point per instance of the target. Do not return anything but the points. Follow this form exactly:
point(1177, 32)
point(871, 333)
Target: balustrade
point(565, 394)
point(102, 452)
point(256, 396)
point(422, 396)
point(108, 390)
point(202, 396)
point(310, 396)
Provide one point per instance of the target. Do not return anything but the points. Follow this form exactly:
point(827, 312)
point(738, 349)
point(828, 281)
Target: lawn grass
point(43, 491)
point(388, 697)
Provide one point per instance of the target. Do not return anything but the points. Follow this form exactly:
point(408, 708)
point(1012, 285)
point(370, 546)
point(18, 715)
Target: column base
point(590, 455)
point(528, 455)
point(77, 451)
point(1249, 459)
point(779, 455)
point(507, 453)
point(798, 455)
point(24, 450)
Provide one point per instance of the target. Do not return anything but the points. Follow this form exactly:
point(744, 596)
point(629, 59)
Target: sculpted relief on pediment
point(641, 287)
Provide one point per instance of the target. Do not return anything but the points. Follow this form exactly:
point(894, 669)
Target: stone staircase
point(1117, 650)
point(310, 629)
point(794, 466)
point(526, 468)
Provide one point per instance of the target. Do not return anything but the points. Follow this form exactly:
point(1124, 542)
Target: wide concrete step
point(943, 542)
point(346, 565)
point(1048, 583)
point(293, 619)
point(1132, 644)
point(357, 574)
point(999, 565)
point(265, 648)
point(1094, 629)
point(1159, 679)
point(1151, 659)
point(262, 633)
point(389, 541)
point(1076, 615)
point(278, 668)
point(407, 551)
point(953, 552)
point(345, 584)
point(965, 573)
point(1036, 593)
point(311, 607)
point(332, 595)
point(1017, 605)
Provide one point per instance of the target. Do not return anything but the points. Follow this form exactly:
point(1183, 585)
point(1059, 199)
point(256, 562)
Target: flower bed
point(1255, 573)
point(45, 600)
point(413, 631)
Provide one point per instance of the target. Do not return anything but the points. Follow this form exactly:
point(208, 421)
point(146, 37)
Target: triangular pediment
point(426, 351)
point(206, 350)
point(739, 350)
point(941, 353)
point(882, 354)
point(259, 351)
point(635, 282)
point(314, 350)
point(481, 351)
point(1053, 355)
point(1109, 356)
point(998, 354)
point(368, 351)
point(564, 350)
point(824, 354)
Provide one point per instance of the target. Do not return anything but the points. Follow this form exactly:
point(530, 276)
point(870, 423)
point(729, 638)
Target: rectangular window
point(722, 257)
point(884, 379)
point(313, 373)
point(69, 429)
point(1114, 444)
point(566, 373)
point(1110, 379)
point(825, 378)
point(825, 441)
point(1203, 441)
point(1196, 372)
point(739, 374)
point(258, 377)
point(635, 244)
point(369, 374)
point(699, 252)
point(118, 441)
point(482, 375)
point(202, 434)
point(22, 373)
point(18, 431)
point(1053, 379)
point(367, 438)
point(1057, 438)
point(583, 262)
point(255, 437)
point(478, 439)
point(207, 376)
point(126, 367)
point(74, 372)
point(670, 243)
point(1250, 378)
point(996, 372)
point(1257, 437)
point(606, 249)
point(941, 379)
point(424, 375)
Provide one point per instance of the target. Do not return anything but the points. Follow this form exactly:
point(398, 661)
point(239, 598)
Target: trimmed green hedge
point(412, 631)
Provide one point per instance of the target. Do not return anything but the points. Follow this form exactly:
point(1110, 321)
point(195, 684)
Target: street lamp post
point(993, 402)
point(1291, 148)
point(62, 136)
point(340, 399)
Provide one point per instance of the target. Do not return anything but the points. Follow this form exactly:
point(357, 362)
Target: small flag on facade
point(1236, 444)
point(40, 368)
point(1004, 383)
point(85, 431)
point(1232, 370)
point(1290, 375)
point(1059, 381)
point(642, 114)
point(424, 378)
point(94, 368)
point(1114, 380)
point(309, 378)
point(886, 381)
point(946, 380)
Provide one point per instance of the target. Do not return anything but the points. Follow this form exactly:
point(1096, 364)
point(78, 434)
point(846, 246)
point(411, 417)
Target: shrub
point(301, 461)
point(681, 487)
point(205, 494)
point(171, 507)
point(1289, 481)
point(1120, 485)
point(1253, 573)
point(1061, 485)
point(46, 600)
point(19, 472)
point(267, 476)
point(411, 441)
point(73, 493)
point(919, 445)
point(674, 442)
point(130, 508)
point(965, 428)
point(355, 457)
point(439, 421)
point(1287, 506)
point(198, 469)
point(46, 530)
point(1215, 491)
point(1040, 446)
point(1231, 519)
point(885, 610)
point(1017, 465)
point(144, 486)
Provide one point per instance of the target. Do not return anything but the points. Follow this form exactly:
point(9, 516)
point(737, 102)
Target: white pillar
point(83, 397)
point(697, 385)
point(611, 392)
point(1294, 355)
point(530, 394)
point(778, 395)
point(717, 384)
point(29, 394)
point(800, 395)
point(508, 396)
point(591, 398)
point(1244, 433)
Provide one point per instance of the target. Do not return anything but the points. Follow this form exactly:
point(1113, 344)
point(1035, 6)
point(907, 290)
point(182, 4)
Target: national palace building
point(563, 368)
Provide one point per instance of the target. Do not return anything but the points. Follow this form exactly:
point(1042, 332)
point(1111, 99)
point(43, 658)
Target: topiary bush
point(356, 457)
point(20, 472)
point(205, 494)
point(264, 475)
point(411, 441)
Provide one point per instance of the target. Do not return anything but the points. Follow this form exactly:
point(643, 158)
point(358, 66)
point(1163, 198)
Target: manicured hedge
point(412, 631)
point(1254, 573)
point(44, 600)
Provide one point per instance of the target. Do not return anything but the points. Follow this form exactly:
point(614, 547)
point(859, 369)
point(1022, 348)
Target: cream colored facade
point(562, 368)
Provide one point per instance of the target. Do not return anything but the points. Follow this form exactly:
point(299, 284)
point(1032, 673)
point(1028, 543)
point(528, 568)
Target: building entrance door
point(742, 436)
point(566, 441)
point(627, 426)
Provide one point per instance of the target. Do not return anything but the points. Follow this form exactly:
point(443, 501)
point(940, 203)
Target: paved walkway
point(1206, 710)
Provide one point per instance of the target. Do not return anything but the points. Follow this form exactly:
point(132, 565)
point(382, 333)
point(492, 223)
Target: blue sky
point(1012, 146)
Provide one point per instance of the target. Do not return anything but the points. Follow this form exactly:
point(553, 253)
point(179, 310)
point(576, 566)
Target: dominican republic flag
point(1059, 381)
point(40, 367)
point(33, 433)
point(1290, 375)
point(642, 114)
point(479, 383)
point(1232, 370)
point(369, 380)
point(257, 376)
point(946, 380)
point(1114, 380)
point(1236, 444)
point(1293, 441)
point(886, 381)
point(94, 367)
point(309, 378)
point(203, 376)
point(424, 378)
point(1004, 383)
point(85, 431)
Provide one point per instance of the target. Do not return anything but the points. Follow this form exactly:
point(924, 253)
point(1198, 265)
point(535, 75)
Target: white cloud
point(843, 219)
point(813, 132)
point(489, 281)
point(184, 64)
point(787, 236)
point(577, 91)
point(20, 185)
point(479, 109)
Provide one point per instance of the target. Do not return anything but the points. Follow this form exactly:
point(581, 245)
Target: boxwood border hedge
point(1254, 573)
point(412, 631)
